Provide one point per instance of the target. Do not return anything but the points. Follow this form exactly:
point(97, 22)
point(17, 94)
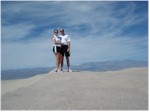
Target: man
point(65, 40)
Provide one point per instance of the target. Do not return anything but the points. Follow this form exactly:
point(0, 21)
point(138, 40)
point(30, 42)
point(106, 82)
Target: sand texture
point(113, 90)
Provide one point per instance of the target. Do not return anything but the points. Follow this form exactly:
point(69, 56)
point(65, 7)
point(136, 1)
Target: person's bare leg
point(68, 64)
point(67, 60)
point(62, 62)
point(57, 62)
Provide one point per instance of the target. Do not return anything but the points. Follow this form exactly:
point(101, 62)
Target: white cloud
point(16, 31)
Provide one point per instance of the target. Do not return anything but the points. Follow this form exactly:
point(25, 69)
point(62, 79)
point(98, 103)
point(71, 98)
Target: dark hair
point(55, 30)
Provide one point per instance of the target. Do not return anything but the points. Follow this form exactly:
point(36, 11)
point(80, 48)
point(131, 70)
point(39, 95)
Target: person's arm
point(68, 47)
point(54, 41)
point(68, 44)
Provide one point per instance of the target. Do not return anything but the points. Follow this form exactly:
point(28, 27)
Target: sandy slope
point(114, 90)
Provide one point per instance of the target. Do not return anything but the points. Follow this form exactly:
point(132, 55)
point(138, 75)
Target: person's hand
point(68, 50)
point(62, 43)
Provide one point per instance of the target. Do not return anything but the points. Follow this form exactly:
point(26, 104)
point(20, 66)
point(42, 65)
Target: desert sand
point(125, 89)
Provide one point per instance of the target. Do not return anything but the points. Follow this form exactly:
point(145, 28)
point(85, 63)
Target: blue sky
point(99, 31)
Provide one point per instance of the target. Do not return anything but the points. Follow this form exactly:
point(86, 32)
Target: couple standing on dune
point(61, 47)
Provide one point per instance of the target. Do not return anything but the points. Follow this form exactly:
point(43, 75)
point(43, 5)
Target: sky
point(99, 31)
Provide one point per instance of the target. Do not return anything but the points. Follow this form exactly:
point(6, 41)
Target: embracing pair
point(61, 48)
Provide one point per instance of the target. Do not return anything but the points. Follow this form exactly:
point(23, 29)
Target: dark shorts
point(57, 49)
point(64, 50)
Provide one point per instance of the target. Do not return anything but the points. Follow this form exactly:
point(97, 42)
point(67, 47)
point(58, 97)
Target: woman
point(57, 49)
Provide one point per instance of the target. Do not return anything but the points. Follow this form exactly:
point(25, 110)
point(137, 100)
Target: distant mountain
point(23, 73)
point(90, 66)
point(110, 65)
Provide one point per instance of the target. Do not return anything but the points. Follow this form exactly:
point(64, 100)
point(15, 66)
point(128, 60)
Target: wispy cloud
point(16, 31)
point(99, 31)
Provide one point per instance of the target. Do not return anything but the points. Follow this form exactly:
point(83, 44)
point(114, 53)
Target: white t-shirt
point(57, 40)
point(65, 39)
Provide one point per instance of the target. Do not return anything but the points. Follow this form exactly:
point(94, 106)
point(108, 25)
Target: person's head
point(56, 31)
point(62, 31)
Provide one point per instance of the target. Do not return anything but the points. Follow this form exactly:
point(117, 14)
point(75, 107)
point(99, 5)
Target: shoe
point(69, 70)
point(58, 71)
point(61, 70)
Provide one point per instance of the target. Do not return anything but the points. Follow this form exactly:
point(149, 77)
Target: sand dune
point(113, 90)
